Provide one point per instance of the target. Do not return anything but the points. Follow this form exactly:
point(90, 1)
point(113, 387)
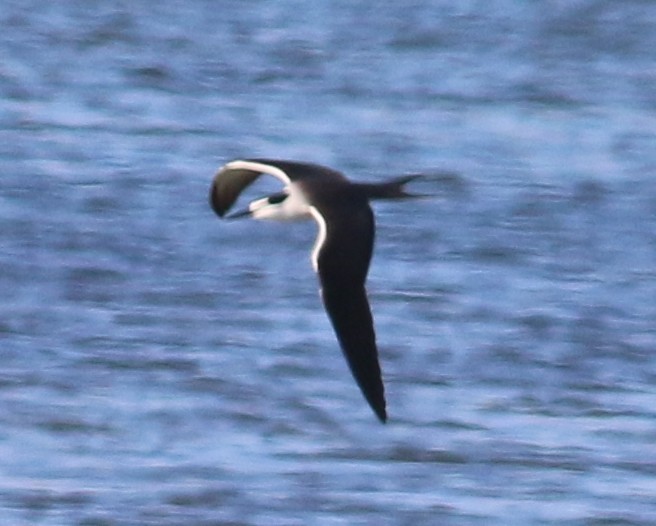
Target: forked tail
point(393, 189)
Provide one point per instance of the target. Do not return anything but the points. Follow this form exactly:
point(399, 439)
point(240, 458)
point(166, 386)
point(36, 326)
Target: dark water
point(144, 381)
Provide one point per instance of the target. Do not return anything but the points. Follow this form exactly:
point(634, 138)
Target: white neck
point(292, 208)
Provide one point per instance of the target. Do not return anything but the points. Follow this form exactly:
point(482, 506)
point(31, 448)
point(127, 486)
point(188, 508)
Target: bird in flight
point(342, 251)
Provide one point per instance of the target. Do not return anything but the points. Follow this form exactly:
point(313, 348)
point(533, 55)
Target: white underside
point(261, 209)
point(292, 208)
point(295, 207)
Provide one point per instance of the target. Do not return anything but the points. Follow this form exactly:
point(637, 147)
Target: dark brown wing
point(343, 263)
point(234, 177)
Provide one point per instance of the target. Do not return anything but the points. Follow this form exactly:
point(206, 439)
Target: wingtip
point(215, 201)
point(380, 411)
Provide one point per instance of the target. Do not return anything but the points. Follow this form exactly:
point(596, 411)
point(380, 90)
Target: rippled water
point(160, 367)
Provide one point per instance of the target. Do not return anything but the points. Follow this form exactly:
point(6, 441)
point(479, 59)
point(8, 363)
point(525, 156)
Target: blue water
point(159, 367)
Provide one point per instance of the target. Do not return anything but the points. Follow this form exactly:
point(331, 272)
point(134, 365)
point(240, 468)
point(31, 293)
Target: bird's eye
point(277, 198)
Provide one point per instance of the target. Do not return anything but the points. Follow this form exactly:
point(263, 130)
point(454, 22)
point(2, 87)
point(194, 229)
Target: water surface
point(161, 367)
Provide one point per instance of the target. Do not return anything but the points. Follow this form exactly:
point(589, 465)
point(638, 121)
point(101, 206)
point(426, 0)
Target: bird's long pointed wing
point(353, 323)
point(234, 177)
point(343, 261)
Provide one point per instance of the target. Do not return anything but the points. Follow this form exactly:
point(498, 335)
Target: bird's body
point(342, 251)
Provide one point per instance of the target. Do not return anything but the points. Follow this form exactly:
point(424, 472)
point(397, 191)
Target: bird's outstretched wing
point(343, 262)
point(234, 177)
